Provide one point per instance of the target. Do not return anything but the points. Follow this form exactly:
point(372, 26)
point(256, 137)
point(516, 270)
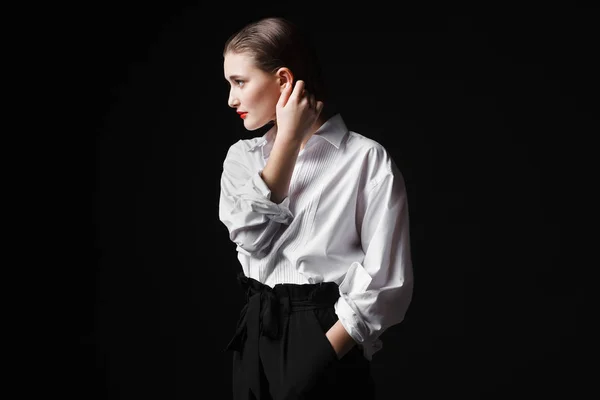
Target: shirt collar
point(333, 131)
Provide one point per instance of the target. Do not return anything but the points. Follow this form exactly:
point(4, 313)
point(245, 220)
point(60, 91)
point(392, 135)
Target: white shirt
point(345, 220)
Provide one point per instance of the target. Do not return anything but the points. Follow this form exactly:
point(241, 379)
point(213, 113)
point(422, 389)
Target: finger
point(312, 101)
point(298, 90)
point(319, 107)
point(285, 95)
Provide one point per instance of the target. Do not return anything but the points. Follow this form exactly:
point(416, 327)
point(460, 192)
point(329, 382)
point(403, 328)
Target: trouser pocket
point(309, 355)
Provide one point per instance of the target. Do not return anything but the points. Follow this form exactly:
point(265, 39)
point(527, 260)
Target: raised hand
point(296, 111)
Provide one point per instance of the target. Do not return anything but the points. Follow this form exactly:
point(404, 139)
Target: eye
point(239, 82)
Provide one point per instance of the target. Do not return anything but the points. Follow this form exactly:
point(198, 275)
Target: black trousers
point(280, 351)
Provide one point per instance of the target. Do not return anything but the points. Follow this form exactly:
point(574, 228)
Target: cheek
point(264, 98)
point(270, 98)
point(251, 98)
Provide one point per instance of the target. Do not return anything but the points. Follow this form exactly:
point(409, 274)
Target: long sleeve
point(376, 293)
point(245, 206)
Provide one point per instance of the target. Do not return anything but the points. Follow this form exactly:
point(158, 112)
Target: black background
point(484, 113)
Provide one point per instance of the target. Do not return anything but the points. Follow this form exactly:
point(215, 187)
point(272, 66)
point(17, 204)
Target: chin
point(250, 127)
point(254, 125)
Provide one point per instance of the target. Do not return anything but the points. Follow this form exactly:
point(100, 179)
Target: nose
point(232, 101)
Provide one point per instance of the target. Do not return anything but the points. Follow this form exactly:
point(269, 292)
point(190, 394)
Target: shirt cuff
point(350, 321)
point(283, 214)
point(260, 184)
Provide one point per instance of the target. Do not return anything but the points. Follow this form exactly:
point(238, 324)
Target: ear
point(284, 76)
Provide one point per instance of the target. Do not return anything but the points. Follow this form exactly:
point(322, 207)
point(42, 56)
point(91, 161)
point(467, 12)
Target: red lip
point(242, 114)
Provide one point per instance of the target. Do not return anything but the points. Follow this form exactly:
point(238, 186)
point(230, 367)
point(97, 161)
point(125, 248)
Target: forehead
point(239, 64)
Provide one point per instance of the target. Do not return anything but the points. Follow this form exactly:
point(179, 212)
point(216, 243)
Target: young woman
point(319, 217)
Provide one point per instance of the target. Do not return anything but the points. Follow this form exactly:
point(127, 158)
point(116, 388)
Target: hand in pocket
point(310, 355)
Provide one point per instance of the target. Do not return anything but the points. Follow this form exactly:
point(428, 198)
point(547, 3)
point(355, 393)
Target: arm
point(340, 340)
point(295, 118)
point(376, 293)
point(245, 205)
point(278, 171)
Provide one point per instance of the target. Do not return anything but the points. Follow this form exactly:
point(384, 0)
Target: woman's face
point(253, 92)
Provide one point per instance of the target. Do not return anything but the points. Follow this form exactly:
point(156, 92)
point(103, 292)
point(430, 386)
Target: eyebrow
point(233, 77)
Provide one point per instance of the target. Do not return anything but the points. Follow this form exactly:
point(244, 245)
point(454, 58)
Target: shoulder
point(248, 147)
point(243, 148)
point(245, 145)
point(374, 156)
point(376, 165)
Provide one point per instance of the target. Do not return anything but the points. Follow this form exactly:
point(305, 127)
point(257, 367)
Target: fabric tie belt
point(265, 313)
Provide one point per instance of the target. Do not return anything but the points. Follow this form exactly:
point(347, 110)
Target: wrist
point(288, 141)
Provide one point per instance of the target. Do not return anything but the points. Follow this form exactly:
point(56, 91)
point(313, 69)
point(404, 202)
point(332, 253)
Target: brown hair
point(276, 42)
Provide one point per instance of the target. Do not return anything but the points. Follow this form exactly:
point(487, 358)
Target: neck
point(318, 123)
